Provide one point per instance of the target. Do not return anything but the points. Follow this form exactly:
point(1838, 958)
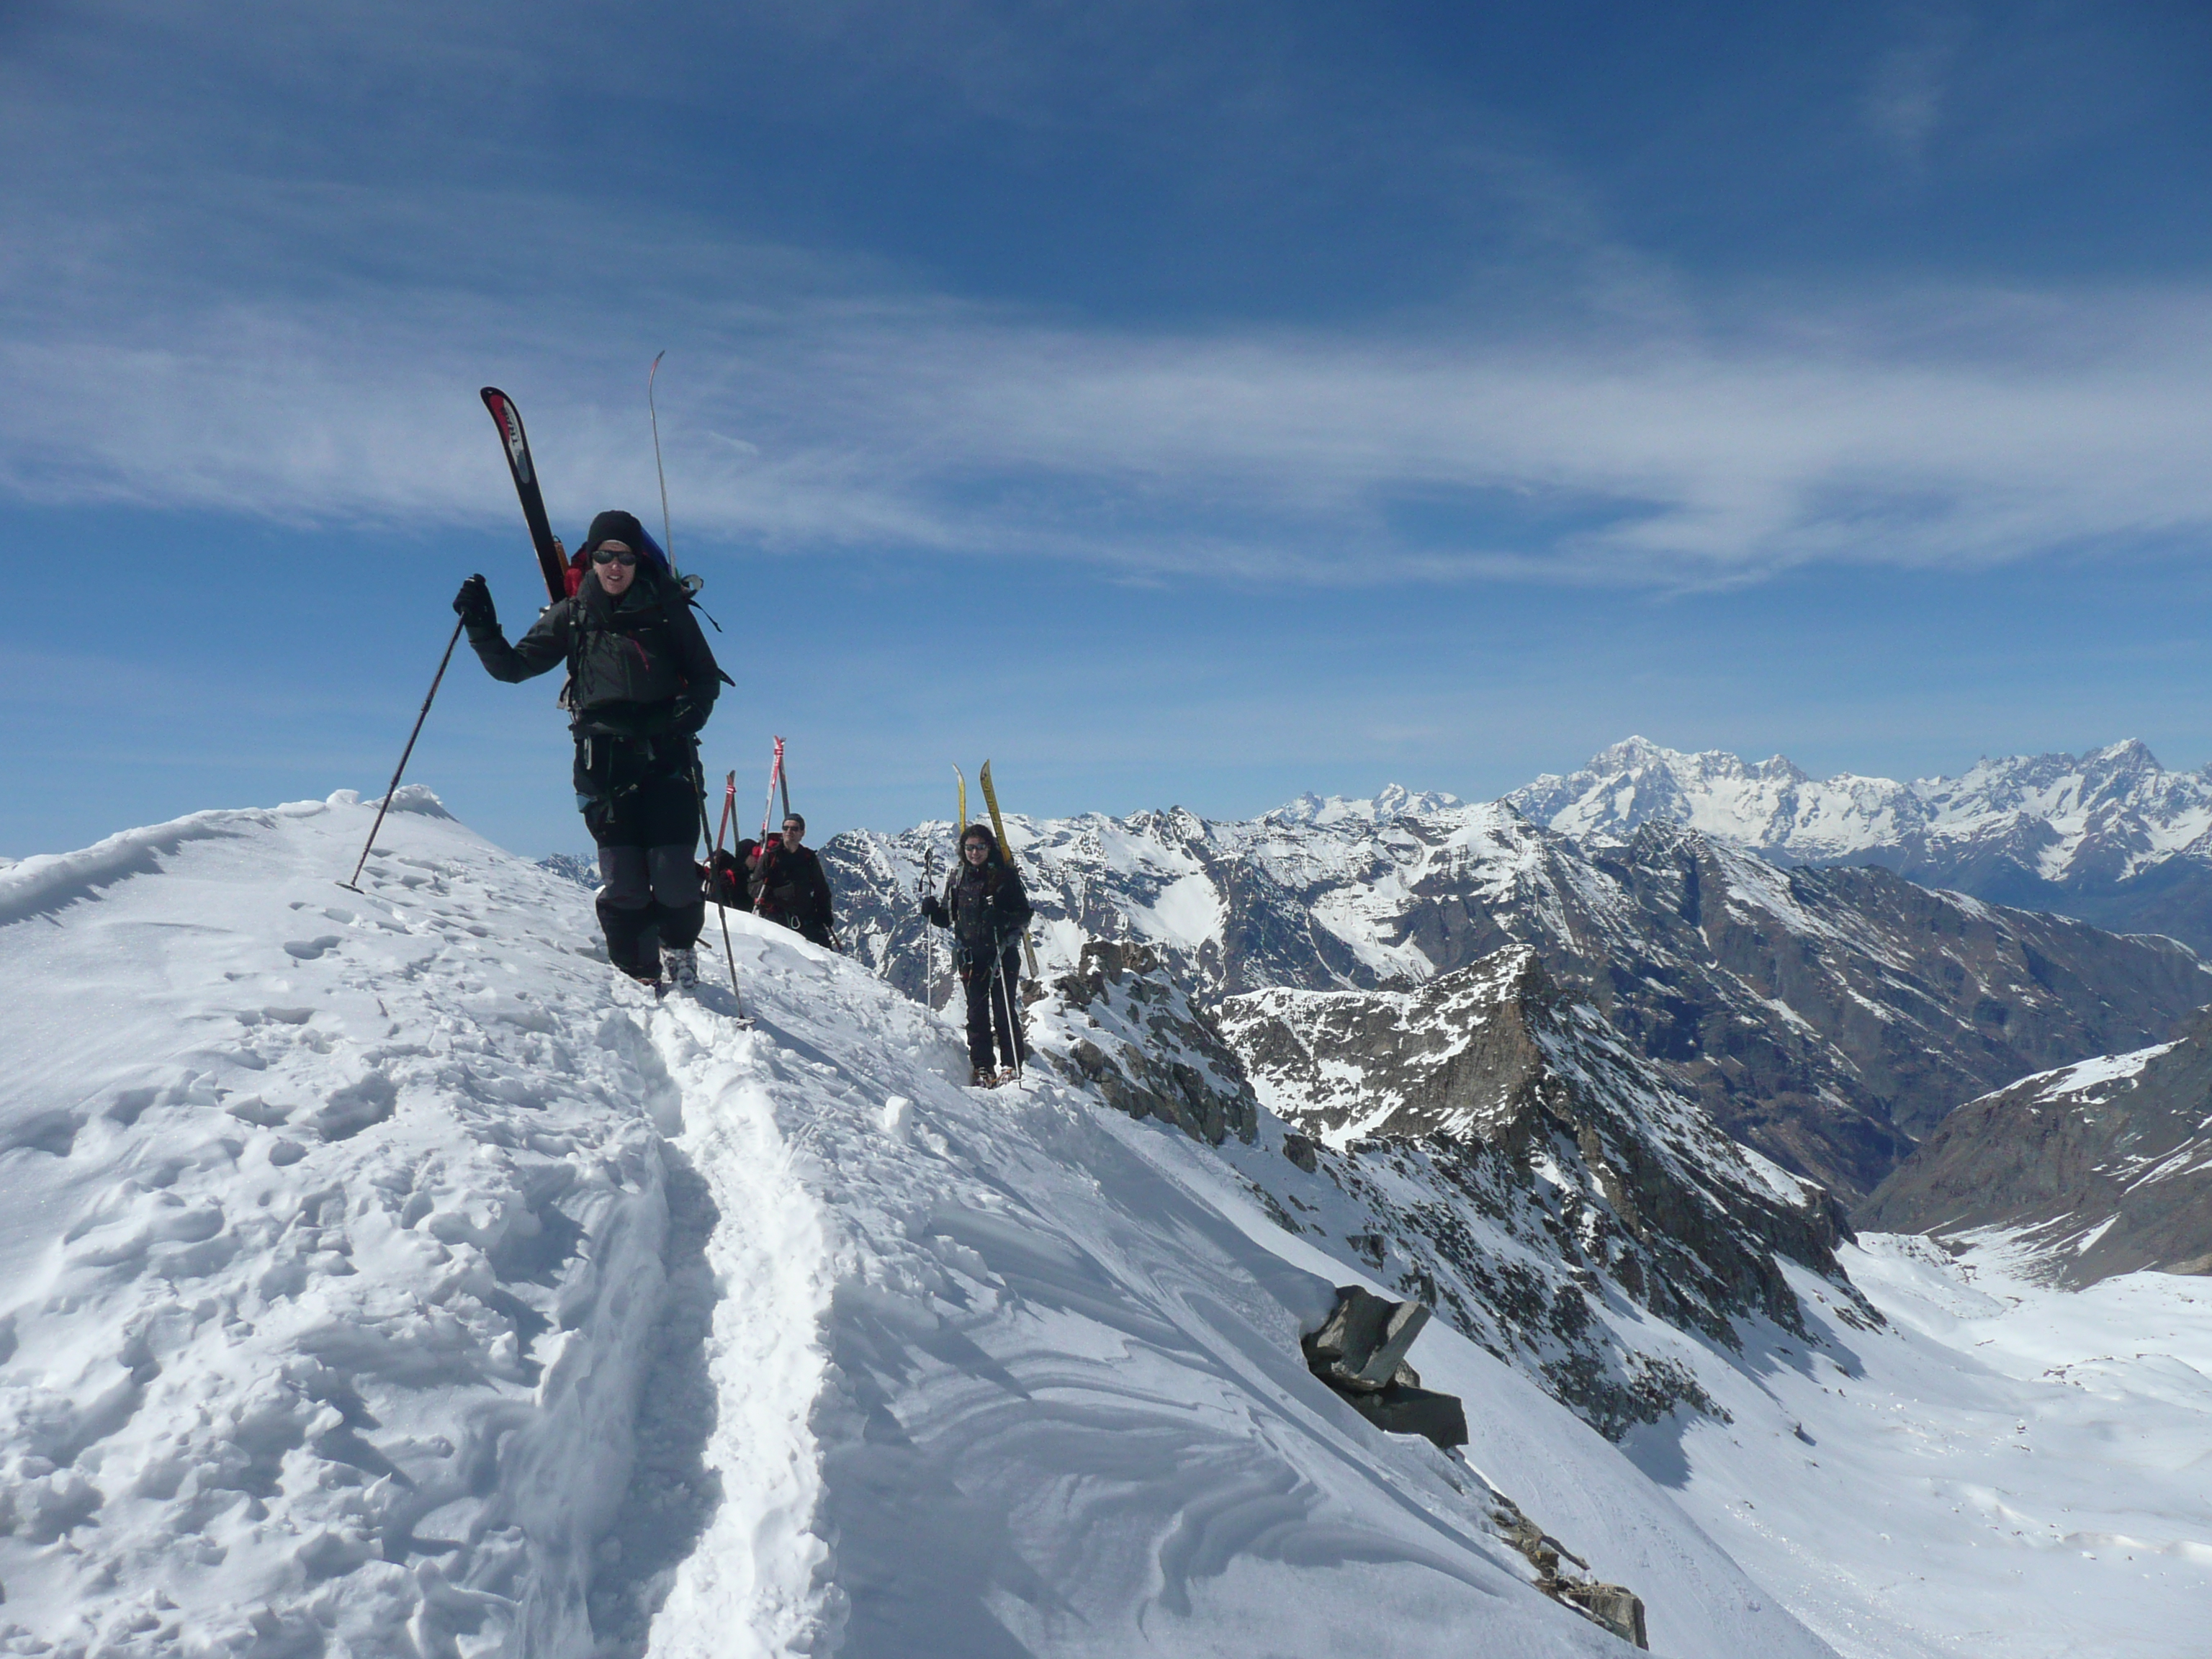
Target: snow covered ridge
point(603, 1327)
point(385, 1277)
point(1827, 1018)
point(2100, 1168)
point(2027, 828)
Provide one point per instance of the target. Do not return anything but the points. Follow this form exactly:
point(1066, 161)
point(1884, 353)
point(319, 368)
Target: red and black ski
point(550, 564)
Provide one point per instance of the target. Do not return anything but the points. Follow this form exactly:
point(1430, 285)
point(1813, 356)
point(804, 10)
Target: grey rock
point(1362, 1346)
point(1360, 1352)
point(1122, 1023)
point(1615, 1606)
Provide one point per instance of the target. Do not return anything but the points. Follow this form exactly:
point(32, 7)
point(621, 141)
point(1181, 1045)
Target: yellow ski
point(1006, 846)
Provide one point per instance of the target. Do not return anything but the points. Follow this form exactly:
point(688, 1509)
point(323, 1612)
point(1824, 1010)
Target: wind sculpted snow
point(385, 1276)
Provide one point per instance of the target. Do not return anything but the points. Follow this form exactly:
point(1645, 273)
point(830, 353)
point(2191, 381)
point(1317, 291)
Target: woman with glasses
point(986, 908)
point(641, 681)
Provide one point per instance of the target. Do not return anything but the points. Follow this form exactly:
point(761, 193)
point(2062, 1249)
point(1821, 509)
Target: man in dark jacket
point(986, 908)
point(788, 885)
point(642, 683)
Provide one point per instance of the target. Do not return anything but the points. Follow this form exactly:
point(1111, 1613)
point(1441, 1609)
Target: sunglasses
point(975, 847)
point(607, 556)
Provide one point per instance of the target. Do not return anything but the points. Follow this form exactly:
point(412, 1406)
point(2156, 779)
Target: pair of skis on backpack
point(981, 1076)
point(1006, 848)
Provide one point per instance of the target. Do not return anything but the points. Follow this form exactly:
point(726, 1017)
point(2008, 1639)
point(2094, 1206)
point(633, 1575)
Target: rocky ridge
point(1827, 1018)
point(1496, 1064)
point(2104, 1167)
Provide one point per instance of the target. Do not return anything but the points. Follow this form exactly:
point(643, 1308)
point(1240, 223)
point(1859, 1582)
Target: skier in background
point(788, 885)
point(730, 876)
point(642, 683)
point(986, 908)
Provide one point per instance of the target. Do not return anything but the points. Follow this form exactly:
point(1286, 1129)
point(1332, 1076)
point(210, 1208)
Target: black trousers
point(650, 894)
point(993, 1002)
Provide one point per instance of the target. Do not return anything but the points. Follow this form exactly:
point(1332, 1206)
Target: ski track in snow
point(384, 1277)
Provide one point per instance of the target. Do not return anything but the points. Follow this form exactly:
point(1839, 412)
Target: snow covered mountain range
point(2110, 837)
point(384, 1276)
point(1826, 1018)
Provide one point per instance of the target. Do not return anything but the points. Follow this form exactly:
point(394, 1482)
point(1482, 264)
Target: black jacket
point(790, 888)
point(983, 907)
point(638, 666)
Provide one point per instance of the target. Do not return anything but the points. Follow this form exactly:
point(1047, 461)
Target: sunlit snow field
point(2011, 1470)
point(381, 1275)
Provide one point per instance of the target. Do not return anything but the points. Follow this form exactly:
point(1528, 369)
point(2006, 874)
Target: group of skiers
point(642, 684)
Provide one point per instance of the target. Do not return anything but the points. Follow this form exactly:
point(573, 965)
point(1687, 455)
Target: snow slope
point(2010, 1471)
point(384, 1277)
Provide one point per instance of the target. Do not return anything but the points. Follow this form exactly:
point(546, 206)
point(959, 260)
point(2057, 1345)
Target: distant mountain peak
point(1392, 800)
point(2104, 815)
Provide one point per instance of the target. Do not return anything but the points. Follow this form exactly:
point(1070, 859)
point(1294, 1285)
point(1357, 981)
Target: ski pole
point(392, 787)
point(699, 782)
point(928, 938)
point(1006, 990)
point(668, 541)
point(1005, 1002)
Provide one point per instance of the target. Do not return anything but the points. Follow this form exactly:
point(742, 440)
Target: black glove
point(690, 714)
point(932, 911)
point(724, 881)
point(473, 605)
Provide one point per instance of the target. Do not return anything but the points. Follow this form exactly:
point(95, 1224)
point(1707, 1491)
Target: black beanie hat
point(612, 526)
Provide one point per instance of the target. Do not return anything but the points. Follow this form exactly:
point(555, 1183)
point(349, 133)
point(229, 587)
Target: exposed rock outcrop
point(1122, 1022)
point(2105, 1166)
point(1497, 1069)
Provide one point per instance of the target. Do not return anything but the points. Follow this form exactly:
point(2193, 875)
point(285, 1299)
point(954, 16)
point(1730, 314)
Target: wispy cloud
point(1905, 101)
point(243, 332)
point(1963, 429)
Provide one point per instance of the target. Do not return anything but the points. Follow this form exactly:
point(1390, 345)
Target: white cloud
point(1906, 96)
point(292, 339)
point(1964, 430)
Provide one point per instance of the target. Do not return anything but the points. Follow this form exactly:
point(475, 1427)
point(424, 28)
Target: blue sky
point(1179, 403)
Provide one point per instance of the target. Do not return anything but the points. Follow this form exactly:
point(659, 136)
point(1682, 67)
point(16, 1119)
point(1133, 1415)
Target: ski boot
point(681, 968)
